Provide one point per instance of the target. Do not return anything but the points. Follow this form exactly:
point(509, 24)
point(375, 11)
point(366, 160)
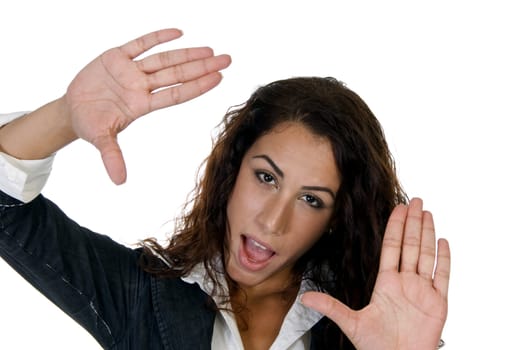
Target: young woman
point(298, 215)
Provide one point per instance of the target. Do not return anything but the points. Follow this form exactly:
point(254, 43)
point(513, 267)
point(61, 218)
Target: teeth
point(256, 252)
point(258, 245)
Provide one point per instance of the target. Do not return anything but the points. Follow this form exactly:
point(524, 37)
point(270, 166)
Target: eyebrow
point(272, 164)
point(282, 175)
point(319, 188)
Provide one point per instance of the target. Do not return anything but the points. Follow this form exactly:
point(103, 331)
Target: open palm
point(117, 88)
point(408, 307)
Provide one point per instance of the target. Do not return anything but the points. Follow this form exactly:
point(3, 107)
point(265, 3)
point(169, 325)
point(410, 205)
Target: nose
point(275, 215)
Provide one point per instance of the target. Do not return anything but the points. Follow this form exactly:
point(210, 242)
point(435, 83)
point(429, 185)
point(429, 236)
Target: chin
point(241, 277)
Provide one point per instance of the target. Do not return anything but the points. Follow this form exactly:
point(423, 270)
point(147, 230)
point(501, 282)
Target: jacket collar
point(299, 320)
point(173, 297)
point(182, 310)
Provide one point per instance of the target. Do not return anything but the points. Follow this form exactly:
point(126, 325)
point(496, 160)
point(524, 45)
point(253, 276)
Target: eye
point(265, 177)
point(313, 201)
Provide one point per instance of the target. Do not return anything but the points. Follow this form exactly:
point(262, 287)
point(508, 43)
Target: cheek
point(246, 193)
point(234, 204)
point(240, 204)
point(314, 223)
point(306, 238)
point(311, 228)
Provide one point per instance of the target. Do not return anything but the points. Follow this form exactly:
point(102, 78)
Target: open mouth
point(253, 254)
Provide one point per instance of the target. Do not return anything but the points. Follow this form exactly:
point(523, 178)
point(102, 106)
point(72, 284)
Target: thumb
point(338, 312)
point(112, 158)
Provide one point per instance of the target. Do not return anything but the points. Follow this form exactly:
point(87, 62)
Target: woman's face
point(280, 206)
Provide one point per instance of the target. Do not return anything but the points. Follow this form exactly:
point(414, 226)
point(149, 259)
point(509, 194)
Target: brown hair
point(343, 263)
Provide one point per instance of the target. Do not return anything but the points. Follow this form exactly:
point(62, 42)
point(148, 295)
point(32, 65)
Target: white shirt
point(293, 335)
point(25, 179)
point(22, 179)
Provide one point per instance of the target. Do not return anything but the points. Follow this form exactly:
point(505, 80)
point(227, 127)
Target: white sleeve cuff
point(22, 179)
point(9, 117)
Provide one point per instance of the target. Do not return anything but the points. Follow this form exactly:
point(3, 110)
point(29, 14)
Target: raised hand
point(117, 88)
point(408, 307)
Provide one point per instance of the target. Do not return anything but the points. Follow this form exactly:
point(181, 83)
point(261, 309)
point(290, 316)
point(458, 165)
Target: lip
point(245, 261)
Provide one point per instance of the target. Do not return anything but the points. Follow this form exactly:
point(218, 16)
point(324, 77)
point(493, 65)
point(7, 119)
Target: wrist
point(59, 114)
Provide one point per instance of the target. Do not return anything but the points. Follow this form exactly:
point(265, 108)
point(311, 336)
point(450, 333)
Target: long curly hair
point(343, 263)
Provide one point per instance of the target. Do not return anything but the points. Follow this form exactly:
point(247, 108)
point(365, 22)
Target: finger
point(426, 262)
point(184, 92)
point(171, 58)
point(143, 43)
point(392, 243)
point(412, 236)
point(187, 71)
point(112, 158)
point(443, 268)
point(334, 309)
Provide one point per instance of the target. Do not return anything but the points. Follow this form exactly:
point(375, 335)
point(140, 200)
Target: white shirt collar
point(295, 330)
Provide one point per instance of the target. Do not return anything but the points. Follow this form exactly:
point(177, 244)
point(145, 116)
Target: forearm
point(38, 134)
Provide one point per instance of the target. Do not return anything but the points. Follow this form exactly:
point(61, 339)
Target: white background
point(446, 79)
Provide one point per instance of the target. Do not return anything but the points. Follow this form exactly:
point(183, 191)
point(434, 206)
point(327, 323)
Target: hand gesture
point(117, 88)
point(408, 307)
